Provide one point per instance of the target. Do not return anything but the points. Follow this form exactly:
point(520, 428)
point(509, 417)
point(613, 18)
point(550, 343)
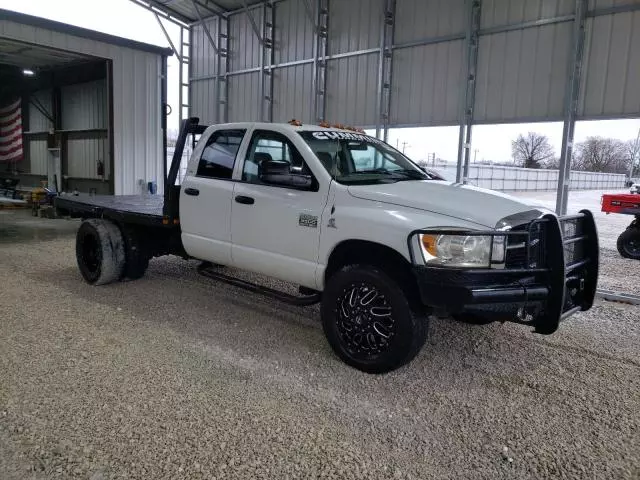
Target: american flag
point(11, 132)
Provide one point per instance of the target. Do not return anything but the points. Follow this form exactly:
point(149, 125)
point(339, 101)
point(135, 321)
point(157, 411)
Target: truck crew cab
point(357, 225)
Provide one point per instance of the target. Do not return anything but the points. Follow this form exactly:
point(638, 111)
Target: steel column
point(183, 67)
point(267, 60)
point(320, 61)
point(468, 89)
point(222, 80)
point(572, 92)
point(385, 69)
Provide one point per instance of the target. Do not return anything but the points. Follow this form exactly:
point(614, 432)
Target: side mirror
point(273, 172)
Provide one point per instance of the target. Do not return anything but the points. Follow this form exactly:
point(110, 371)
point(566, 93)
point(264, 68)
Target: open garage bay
point(174, 376)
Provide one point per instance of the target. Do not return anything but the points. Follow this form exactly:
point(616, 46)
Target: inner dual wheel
point(369, 321)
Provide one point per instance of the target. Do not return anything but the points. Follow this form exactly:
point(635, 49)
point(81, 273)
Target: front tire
point(100, 251)
point(629, 243)
point(369, 321)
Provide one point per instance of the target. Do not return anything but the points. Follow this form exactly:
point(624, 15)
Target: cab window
point(271, 146)
point(219, 155)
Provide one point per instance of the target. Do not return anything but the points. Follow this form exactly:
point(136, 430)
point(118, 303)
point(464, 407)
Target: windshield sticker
point(344, 136)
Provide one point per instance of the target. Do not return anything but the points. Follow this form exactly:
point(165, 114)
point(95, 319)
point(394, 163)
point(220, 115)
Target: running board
point(300, 301)
point(619, 297)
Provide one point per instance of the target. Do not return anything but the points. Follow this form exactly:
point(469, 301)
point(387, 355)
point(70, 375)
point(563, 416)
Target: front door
point(275, 230)
point(206, 196)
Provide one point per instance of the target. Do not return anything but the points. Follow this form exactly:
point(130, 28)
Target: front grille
point(518, 245)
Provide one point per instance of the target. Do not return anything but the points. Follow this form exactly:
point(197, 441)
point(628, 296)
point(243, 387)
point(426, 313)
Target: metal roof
point(81, 32)
point(190, 11)
point(24, 55)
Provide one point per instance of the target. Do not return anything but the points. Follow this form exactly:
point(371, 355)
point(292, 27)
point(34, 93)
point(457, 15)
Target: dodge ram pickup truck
point(357, 225)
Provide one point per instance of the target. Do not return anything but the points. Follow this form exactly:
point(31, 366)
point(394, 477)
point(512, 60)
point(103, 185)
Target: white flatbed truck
point(358, 226)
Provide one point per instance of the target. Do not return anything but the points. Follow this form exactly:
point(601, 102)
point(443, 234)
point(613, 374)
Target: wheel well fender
point(363, 252)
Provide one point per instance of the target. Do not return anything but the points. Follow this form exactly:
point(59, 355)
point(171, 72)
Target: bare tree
point(532, 150)
point(631, 150)
point(598, 154)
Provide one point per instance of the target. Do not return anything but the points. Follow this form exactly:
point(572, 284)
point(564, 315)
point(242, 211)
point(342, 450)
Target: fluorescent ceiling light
point(27, 72)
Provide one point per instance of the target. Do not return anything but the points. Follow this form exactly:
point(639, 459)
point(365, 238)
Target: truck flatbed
point(138, 209)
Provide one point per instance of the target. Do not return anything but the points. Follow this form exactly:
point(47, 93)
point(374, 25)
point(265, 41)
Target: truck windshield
point(353, 158)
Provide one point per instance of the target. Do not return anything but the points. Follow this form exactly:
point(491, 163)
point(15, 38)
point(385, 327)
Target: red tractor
point(628, 204)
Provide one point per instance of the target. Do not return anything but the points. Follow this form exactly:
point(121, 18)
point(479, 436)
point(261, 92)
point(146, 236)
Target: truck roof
point(285, 126)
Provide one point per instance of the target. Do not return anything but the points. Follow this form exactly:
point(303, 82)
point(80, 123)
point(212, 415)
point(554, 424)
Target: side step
point(620, 297)
point(207, 270)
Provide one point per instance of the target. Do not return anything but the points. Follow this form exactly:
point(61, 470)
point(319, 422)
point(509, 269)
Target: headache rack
point(552, 261)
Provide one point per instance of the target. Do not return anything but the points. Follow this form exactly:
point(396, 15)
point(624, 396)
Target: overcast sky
point(125, 19)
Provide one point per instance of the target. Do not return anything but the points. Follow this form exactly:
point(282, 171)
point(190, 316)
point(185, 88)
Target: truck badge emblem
point(332, 223)
point(306, 220)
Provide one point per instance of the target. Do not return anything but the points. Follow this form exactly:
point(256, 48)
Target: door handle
point(192, 191)
point(245, 200)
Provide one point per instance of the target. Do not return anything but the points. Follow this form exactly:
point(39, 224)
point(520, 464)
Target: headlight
point(462, 250)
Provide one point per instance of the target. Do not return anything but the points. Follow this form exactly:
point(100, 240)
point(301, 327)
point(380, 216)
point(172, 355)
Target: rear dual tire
point(369, 322)
point(105, 255)
point(100, 251)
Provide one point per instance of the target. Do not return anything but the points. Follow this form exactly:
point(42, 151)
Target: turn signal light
point(429, 244)
point(295, 123)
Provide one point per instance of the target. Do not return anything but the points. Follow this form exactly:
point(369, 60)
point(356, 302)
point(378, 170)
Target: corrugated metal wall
point(611, 84)
point(38, 123)
point(84, 106)
point(523, 58)
point(137, 134)
point(38, 156)
point(84, 109)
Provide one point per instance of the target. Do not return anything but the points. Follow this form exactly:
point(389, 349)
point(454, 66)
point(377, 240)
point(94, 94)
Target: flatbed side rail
point(189, 126)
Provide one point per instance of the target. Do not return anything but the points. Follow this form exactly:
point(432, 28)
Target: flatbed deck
point(139, 209)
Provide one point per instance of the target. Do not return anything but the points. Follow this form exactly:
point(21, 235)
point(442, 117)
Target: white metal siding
point(37, 121)
point(294, 32)
point(203, 57)
point(38, 157)
point(136, 101)
point(204, 101)
point(83, 155)
point(427, 19)
point(352, 90)
point(426, 84)
point(611, 83)
point(354, 25)
point(244, 46)
point(292, 94)
point(522, 74)
point(84, 106)
point(244, 97)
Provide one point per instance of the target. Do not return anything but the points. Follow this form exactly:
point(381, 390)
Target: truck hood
point(472, 204)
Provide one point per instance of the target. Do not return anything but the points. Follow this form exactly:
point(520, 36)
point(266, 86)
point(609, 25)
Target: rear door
point(276, 229)
point(206, 196)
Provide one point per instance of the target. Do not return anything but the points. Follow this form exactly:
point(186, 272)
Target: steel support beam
point(385, 69)
point(254, 24)
point(468, 90)
point(320, 61)
point(166, 34)
point(205, 28)
point(222, 68)
point(267, 60)
point(571, 96)
point(161, 9)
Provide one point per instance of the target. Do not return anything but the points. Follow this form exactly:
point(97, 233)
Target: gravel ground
point(176, 376)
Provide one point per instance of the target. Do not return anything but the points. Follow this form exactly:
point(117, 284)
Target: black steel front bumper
point(555, 276)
